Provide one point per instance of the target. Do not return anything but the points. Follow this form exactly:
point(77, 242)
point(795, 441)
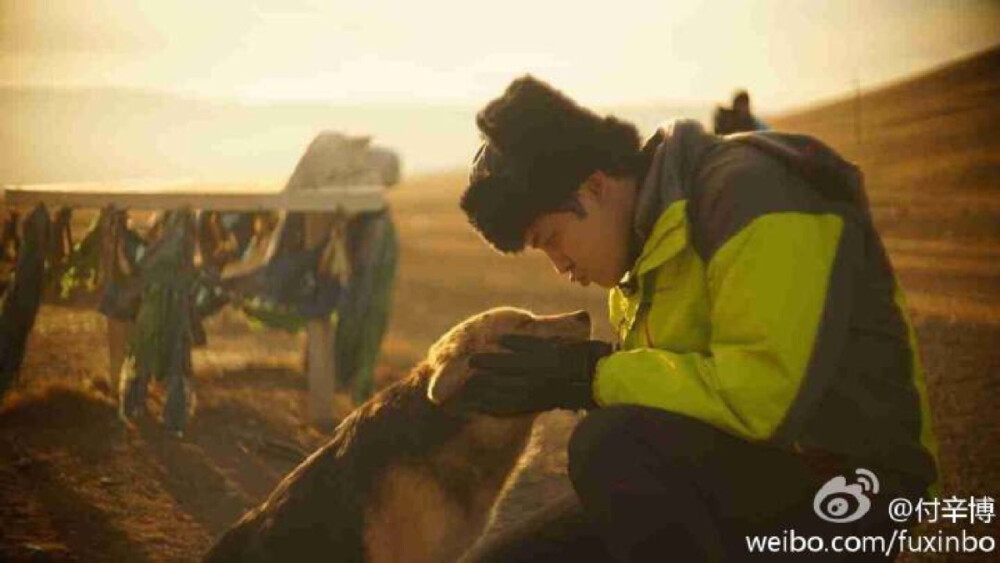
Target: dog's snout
point(567, 325)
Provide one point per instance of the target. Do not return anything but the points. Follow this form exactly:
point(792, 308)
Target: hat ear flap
point(497, 213)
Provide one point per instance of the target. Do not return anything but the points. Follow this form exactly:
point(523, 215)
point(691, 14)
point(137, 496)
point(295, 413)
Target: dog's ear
point(448, 378)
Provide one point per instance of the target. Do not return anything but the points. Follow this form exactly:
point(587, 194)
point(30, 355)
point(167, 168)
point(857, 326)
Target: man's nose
point(560, 263)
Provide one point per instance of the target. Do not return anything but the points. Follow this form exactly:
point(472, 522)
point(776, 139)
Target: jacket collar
point(681, 144)
point(677, 149)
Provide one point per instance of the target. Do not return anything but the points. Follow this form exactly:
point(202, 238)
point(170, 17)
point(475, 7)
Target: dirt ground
point(76, 484)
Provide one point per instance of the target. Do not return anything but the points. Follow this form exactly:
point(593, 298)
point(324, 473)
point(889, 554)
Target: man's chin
point(585, 282)
point(608, 283)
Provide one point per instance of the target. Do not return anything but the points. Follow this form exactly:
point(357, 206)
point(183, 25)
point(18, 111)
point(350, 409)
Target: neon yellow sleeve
point(767, 292)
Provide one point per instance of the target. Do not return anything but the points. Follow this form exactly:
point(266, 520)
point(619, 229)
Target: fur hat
point(538, 147)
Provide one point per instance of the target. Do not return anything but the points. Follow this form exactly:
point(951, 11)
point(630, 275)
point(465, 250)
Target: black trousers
point(657, 486)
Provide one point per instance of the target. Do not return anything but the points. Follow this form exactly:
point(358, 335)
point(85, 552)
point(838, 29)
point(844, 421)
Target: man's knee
point(601, 434)
point(610, 439)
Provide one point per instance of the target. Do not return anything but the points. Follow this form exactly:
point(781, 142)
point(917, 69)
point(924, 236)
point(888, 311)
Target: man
point(739, 118)
point(763, 345)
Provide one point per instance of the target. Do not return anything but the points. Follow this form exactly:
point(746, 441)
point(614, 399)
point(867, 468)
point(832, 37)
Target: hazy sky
point(787, 52)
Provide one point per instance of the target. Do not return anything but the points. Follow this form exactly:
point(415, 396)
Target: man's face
point(593, 246)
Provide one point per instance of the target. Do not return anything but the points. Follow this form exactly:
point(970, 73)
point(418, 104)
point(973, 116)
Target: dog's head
point(449, 356)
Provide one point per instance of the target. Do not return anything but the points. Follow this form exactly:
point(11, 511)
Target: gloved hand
point(538, 374)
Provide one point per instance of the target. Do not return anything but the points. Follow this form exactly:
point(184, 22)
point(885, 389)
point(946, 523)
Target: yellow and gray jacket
point(762, 302)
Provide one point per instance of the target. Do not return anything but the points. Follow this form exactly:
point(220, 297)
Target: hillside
point(931, 154)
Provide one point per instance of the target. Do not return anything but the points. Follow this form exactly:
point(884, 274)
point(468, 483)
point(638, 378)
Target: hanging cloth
point(363, 315)
point(162, 337)
point(10, 243)
point(59, 251)
point(122, 289)
point(20, 302)
point(293, 286)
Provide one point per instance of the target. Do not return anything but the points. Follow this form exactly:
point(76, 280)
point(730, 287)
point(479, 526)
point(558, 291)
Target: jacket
point(763, 303)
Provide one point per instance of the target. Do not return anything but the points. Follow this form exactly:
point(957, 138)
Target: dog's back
point(403, 478)
point(317, 511)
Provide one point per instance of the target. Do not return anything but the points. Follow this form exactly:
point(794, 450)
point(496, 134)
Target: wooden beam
point(321, 369)
point(222, 197)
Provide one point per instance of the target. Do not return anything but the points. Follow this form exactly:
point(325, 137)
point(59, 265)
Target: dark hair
point(539, 147)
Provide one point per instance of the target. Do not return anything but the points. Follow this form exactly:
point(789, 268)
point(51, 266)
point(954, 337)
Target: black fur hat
point(539, 146)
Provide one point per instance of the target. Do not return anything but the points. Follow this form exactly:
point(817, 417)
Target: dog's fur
point(405, 478)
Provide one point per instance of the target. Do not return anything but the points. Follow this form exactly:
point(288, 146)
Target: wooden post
point(109, 270)
point(320, 368)
point(117, 343)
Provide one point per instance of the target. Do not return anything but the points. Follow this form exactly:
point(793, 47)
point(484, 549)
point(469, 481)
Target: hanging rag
point(59, 251)
point(122, 249)
point(20, 302)
point(10, 242)
point(161, 341)
point(363, 315)
point(293, 286)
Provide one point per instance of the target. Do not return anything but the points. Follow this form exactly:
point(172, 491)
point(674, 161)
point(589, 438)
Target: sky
point(787, 52)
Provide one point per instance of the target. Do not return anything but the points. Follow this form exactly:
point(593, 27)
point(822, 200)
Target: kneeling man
point(763, 346)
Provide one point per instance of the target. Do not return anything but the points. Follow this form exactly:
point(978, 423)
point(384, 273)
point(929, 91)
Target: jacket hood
point(678, 147)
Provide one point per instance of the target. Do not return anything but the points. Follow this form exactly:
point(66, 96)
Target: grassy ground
point(75, 484)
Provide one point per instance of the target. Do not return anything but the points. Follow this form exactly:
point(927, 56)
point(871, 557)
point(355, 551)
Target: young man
point(763, 344)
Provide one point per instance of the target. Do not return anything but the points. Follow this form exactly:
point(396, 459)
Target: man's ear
point(597, 185)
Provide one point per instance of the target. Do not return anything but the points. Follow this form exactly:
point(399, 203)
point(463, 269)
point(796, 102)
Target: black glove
point(538, 374)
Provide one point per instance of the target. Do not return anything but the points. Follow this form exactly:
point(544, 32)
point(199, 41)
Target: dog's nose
point(582, 316)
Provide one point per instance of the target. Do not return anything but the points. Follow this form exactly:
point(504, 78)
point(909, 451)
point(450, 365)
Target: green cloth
point(161, 339)
point(363, 315)
point(83, 263)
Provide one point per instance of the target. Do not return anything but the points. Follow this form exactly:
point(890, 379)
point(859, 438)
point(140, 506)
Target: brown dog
point(404, 478)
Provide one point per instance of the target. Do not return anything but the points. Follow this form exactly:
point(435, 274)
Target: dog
point(404, 478)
